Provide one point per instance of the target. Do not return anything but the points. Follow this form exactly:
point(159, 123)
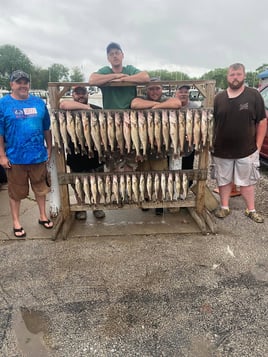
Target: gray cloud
point(193, 37)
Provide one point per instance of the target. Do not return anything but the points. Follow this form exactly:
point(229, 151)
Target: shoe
point(46, 224)
point(221, 212)
point(19, 230)
point(145, 209)
point(99, 214)
point(81, 215)
point(256, 217)
point(159, 211)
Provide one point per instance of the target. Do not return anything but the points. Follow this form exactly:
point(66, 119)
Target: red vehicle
point(264, 148)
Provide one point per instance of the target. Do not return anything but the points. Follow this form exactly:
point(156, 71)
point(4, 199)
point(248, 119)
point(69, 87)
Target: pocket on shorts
point(255, 166)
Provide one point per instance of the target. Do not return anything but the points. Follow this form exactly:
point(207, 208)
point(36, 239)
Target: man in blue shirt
point(24, 130)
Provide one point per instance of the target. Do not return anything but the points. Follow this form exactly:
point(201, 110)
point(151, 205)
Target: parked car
point(264, 148)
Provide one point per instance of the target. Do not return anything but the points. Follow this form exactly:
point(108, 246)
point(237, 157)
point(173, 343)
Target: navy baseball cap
point(113, 45)
point(18, 74)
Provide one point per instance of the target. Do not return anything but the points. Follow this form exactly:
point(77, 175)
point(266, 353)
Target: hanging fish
point(170, 186)
point(173, 130)
point(211, 130)
point(149, 186)
point(163, 186)
point(177, 185)
point(119, 132)
point(197, 127)
point(135, 188)
point(111, 131)
point(135, 133)
point(55, 130)
point(142, 131)
point(95, 133)
point(142, 188)
point(204, 127)
point(86, 188)
point(87, 135)
point(189, 127)
point(93, 189)
point(103, 130)
point(122, 187)
point(150, 126)
point(108, 189)
point(115, 189)
point(165, 129)
point(156, 187)
point(78, 189)
point(182, 130)
point(126, 130)
point(185, 186)
point(64, 133)
point(129, 187)
point(158, 132)
point(101, 189)
point(71, 130)
point(80, 133)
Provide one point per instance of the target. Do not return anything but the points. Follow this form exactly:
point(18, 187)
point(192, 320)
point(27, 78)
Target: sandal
point(19, 230)
point(46, 223)
point(256, 217)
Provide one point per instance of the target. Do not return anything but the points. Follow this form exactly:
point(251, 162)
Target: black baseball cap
point(184, 86)
point(80, 89)
point(18, 74)
point(113, 45)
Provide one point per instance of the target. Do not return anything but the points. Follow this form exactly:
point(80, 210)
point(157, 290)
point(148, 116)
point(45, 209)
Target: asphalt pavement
point(138, 291)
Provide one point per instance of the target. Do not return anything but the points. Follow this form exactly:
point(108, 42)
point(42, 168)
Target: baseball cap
point(184, 86)
point(18, 74)
point(152, 80)
point(113, 45)
point(80, 89)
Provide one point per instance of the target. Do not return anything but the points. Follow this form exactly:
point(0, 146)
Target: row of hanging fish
point(142, 132)
point(131, 188)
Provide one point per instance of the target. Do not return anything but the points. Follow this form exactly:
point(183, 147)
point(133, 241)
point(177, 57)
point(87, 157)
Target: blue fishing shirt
point(22, 125)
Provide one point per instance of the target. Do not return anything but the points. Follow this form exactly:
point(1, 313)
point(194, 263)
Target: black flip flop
point(19, 230)
point(43, 223)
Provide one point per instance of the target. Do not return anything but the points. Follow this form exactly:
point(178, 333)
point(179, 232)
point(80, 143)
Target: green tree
point(76, 75)
point(11, 59)
point(165, 75)
point(58, 73)
point(219, 75)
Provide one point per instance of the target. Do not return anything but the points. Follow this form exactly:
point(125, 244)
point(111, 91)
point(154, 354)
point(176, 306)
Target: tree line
point(12, 58)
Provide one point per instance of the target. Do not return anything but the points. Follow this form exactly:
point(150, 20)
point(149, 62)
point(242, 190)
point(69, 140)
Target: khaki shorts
point(19, 177)
point(242, 172)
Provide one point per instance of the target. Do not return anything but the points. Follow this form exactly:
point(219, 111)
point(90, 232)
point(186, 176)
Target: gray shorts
point(242, 172)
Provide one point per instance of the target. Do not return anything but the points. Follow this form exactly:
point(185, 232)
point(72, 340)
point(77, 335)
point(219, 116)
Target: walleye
point(110, 130)
point(135, 188)
point(122, 187)
point(115, 189)
point(126, 131)
point(156, 187)
point(157, 131)
point(78, 189)
point(119, 132)
point(177, 185)
point(108, 189)
point(170, 186)
point(189, 127)
point(95, 133)
point(142, 131)
point(63, 132)
point(103, 130)
point(181, 130)
point(150, 126)
point(173, 130)
point(129, 188)
point(135, 133)
point(101, 189)
point(142, 188)
point(210, 129)
point(87, 135)
point(197, 126)
point(165, 129)
point(80, 133)
point(86, 188)
point(55, 130)
point(94, 190)
point(163, 186)
point(149, 185)
point(204, 127)
point(185, 185)
point(71, 130)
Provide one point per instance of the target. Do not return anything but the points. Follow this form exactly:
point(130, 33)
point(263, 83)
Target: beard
point(236, 84)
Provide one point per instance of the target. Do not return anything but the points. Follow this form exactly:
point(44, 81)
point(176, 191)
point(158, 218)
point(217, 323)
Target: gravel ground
point(162, 295)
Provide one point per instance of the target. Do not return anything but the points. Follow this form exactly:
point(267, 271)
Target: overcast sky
point(189, 36)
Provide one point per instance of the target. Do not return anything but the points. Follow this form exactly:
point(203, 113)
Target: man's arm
point(140, 103)
point(141, 77)
point(261, 131)
point(48, 140)
point(72, 105)
point(97, 79)
point(3, 158)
